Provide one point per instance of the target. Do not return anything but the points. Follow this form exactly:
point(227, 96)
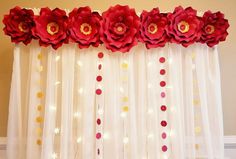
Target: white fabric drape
point(127, 114)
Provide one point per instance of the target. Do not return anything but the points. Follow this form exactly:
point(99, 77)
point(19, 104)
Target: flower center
point(23, 27)
point(85, 28)
point(52, 28)
point(209, 29)
point(152, 28)
point(183, 27)
point(119, 28)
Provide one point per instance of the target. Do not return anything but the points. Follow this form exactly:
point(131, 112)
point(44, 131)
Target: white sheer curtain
point(146, 104)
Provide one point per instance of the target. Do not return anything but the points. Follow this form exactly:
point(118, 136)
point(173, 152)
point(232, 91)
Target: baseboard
point(3, 141)
point(229, 142)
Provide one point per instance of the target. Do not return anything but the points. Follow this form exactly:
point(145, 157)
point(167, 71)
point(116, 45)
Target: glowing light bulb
point(57, 131)
point(54, 155)
point(121, 89)
point(52, 108)
point(125, 140)
point(123, 114)
point(57, 58)
point(77, 114)
point(106, 136)
point(81, 90)
point(100, 111)
point(150, 111)
point(57, 82)
point(149, 64)
point(149, 85)
point(150, 136)
point(78, 140)
point(79, 63)
point(170, 60)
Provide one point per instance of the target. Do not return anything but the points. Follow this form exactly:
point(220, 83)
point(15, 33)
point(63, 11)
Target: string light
point(123, 114)
point(78, 140)
point(149, 85)
point(125, 140)
point(57, 131)
point(106, 136)
point(121, 89)
point(150, 136)
point(54, 155)
point(58, 58)
point(150, 111)
point(77, 114)
point(57, 82)
point(53, 108)
point(100, 111)
point(170, 60)
point(79, 63)
point(149, 64)
point(81, 90)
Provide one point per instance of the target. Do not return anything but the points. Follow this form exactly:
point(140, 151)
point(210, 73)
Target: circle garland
point(119, 28)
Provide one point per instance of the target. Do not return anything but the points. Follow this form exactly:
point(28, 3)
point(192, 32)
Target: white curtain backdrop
point(55, 113)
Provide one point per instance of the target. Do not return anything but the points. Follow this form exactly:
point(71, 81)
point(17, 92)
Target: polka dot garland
point(98, 92)
point(163, 108)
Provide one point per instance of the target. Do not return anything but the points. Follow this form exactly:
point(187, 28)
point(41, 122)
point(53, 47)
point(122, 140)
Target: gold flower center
point(86, 28)
point(119, 29)
point(183, 27)
point(23, 27)
point(52, 28)
point(152, 28)
point(209, 29)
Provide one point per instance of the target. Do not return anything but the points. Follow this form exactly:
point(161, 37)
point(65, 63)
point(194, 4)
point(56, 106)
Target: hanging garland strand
point(119, 28)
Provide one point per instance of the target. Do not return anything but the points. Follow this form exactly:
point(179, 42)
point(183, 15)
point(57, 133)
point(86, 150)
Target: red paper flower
point(18, 25)
point(153, 25)
point(184, 27)
point(84, 27)
point(51, 27)
point(214, 29)
point(119, 29)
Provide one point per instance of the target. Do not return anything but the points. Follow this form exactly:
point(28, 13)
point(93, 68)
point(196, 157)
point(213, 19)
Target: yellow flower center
point(23, 27)
point(86, 28)
point(152, 28)
point(183, 27)
point(209, 29)
point(52, 28)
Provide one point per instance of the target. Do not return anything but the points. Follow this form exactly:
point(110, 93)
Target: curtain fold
point(90, 103)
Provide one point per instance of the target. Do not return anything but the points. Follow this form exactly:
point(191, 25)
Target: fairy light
point(57, 82)
point(150, 111)
point(170, 60)
point(100, 111)
point(121, 89)
point(54, 155)
point(150, 136)
point(57, 131)
point(57, 58)
point(53, 108)
point(81, 90)
point(123, 114)
point(125, 140)
point(149, 64)
point(78, 140)
point(106, 136)
point(77, 114)
point(149, 85)
point(40, 68)
point(79, 63)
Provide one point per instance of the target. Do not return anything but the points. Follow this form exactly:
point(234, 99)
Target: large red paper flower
point(119, 29)
point(51, 27)
point(184, 27)
point(153, 26)
point(18, 25)
point(214, 29)
point(84, 27)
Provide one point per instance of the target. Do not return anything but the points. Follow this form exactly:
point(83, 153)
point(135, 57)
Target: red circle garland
point(119, 28)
